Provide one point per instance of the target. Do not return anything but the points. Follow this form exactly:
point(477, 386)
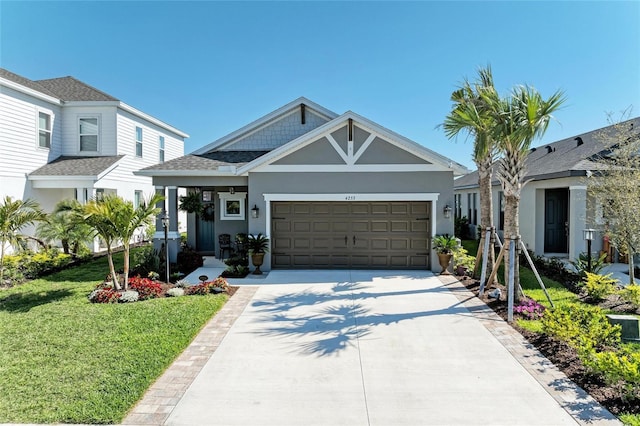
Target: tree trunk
point(631, 271)
point(512, 230)
point(114, 276)
point(1, 261)
point(486, 207)
point(65, 246)
point(126, 267)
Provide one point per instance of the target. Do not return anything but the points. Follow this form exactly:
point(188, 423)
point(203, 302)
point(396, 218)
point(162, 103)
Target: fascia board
point(109, 169)
point(163, 173)
point(152, 119)
point(29, 91)
point(92, 178)
point(264, 120)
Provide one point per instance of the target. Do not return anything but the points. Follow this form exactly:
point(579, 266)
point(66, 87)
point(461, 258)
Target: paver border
point(573, 399)
point(164, 394)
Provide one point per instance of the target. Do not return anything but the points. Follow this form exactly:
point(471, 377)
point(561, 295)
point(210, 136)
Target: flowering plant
point(529, 309)
point(146, 288)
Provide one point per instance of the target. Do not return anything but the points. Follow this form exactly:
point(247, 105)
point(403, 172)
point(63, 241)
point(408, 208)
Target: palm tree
point(115, 220)
point(471, 114)
point(518, 120)
point(15, 215)
point(62, 227)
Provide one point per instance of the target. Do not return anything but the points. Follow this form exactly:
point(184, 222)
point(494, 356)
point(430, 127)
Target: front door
point(205, 225)
point(556, 220)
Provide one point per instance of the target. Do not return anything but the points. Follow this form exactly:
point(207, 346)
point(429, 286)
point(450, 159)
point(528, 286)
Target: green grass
point(63, 359)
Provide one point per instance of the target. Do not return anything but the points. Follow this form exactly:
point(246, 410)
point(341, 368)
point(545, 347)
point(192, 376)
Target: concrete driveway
point(368, 348)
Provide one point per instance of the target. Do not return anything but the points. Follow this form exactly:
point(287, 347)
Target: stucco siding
point(318, 152)
point(382, 152)
point(277, 133)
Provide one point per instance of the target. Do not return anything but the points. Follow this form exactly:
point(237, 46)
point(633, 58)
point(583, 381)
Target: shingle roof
point(559, 159)
point(25, 82)
point(209, 161)
point(77, 166)
point(71, 89)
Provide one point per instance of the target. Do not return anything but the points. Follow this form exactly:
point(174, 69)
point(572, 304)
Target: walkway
point(363, 348)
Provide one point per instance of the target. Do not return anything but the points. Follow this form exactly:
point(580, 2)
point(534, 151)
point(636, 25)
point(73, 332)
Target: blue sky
point(209, 68)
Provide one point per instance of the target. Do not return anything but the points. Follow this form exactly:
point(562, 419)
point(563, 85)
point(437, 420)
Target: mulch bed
point(563, 356)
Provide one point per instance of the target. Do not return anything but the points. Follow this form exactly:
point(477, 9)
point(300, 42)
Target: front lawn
point(63, 359)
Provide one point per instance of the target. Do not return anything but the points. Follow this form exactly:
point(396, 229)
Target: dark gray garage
point(370, 235)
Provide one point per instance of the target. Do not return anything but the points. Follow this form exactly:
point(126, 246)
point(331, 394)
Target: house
point(329, 190)
point(554, 206)
point(61, 138)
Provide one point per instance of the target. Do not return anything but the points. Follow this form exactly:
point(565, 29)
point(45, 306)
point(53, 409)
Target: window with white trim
point(232, 206)
point(138, 141)
point(44, 130)
point(89, 130)
point(161, 150)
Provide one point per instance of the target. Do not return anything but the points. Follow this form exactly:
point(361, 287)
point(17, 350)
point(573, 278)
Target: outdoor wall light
point(232, 190)
point(255, 211)
point(447, 211)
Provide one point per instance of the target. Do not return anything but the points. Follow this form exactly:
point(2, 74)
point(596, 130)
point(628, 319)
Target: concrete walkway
point(363, 348)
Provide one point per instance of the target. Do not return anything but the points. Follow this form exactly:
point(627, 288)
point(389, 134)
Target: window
point(44, 130)
point(161, 153)
point(138, 141)
point(473, 208)
point(232, 206)
point(88, 133)
point(137, 199)
point(458, 206)
point(501, 216)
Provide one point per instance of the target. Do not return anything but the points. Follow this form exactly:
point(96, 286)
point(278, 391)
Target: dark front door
point(205, 231)
point(556, 217)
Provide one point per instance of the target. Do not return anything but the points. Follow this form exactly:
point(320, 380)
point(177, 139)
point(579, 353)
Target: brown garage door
point(379, 235)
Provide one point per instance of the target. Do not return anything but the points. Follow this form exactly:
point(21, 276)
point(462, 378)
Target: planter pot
point(444, 260)
point(461, 271)
point(257, 259)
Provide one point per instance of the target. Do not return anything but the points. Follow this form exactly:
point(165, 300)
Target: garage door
point(377, 235)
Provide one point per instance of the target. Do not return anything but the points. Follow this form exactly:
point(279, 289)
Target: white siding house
point(61, 138)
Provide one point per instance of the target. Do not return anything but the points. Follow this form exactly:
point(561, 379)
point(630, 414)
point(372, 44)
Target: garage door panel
point(378, 235)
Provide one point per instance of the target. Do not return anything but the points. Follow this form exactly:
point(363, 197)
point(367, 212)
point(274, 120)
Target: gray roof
point(71, 89)
point(64, 88)
point(25, 82)
point(563, 158)
point(77, 166)
point(209, 161)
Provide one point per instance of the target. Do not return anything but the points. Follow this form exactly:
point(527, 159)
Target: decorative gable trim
point(436, 161)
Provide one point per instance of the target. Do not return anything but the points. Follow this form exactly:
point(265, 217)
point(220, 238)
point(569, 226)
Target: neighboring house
point(61, 138)
point(554, 206)
point(329, 190)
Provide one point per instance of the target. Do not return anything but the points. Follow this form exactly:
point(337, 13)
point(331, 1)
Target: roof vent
point(550, 149)
point(579, 140)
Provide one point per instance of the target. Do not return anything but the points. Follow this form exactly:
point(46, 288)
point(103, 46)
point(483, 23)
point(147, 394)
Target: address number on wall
point(350, 198)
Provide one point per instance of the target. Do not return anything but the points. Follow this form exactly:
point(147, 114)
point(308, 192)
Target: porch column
point(158, 237)
point(80, 195)
point(174, 235)
point(577, 220)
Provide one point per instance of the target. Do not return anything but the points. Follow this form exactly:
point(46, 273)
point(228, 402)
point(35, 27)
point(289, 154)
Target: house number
point(350, 197)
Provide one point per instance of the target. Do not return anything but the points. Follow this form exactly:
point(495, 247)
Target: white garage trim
point(421, 196)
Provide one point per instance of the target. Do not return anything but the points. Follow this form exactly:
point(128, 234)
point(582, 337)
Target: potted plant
point(462, 261)
point(445, 245)
point(258, 245)
point(191, 203)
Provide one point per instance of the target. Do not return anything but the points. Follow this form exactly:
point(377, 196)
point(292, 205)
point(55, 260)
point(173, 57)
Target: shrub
point(129, 296)
point(145, 261)
point(554, 269)
point(582, 263)
point(620, 369)
point(218, 285)
point(461, 228)
point(175, 292)
point(182, 284)
point(189, 260)
point(598, 287)
point(32, 265)
point(529, 309)
point(146, 288)
point(104, 295)
point(631, 294)
point(581, 326)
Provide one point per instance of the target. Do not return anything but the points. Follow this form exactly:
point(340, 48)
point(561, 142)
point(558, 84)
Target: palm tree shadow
point(24, 302)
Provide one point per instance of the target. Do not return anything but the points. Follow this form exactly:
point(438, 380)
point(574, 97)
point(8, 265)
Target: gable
point(349, 145)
